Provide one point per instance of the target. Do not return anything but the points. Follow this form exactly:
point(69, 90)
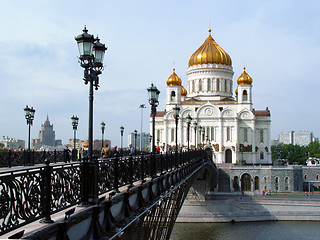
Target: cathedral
point(228, 123)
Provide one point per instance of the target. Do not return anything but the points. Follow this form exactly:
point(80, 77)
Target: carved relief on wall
point(233, 148)
point(266, 148)
point(247, 148)
point(223, 148)
point(257, 148)
point(216, 147)
point(208, 111)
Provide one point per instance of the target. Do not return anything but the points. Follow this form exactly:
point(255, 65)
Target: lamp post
point(195, 124)
point(200, 131)
point(150, 139)
point(29, 114)
point(75, 121)
point(121, 134)
point(189, 119)
point(142, 106)
point(176, 110)
point(153, 93)
point(103, 127)
point(135, 142)
point(203, 133)
point(91, 59)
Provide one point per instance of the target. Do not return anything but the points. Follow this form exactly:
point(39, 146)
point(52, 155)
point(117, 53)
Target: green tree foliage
point(295, 153)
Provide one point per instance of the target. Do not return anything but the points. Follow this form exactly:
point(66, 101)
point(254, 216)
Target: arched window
point(245, 135)
point(193, 89)
point(256, 183)
point(228, 134)
point(209, 84)
point(225, 85)
point(245, 95)
point(305, 176)
point(317, 177)
point(261, 135)
point(173, 95)
point(218, 85)
point(286, 184)
point(276, 183)
point(200, 85)
point(265, 183)
point(261, 155)
point(236, 184)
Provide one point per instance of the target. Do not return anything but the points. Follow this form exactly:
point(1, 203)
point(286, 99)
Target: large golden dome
point(209, 52)
point(183, 91)
point(244, 78)
point(174, 80)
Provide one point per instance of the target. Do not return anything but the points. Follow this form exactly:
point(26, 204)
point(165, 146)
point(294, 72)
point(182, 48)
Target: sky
point(277, 41)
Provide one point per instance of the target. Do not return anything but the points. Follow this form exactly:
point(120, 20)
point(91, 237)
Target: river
point(277, 230)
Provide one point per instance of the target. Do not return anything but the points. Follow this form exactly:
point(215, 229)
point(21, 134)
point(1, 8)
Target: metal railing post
point(130, 172)
point(116, 174)
point(46, 193)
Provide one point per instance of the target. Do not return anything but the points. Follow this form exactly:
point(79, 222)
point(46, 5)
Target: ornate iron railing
point(36, 192)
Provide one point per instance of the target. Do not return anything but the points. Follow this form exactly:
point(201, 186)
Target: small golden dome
point(183, 91)
point(236, 91)
point(86, 144)
point(208, 53)
point(174, 80)
point(244, 78)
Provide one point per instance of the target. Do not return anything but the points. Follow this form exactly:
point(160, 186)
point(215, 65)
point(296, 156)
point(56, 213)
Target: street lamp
point(75, 121)
point(142, 106)
point(153, 94)
point(91, 59)
point(29, 114)
point(103, 127)
point(135, 141)
point(176, 110)
point(189, 119)
point(121, 133)
point(195, 124)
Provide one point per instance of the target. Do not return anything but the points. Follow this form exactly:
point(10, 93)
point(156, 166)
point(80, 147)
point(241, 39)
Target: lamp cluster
point(91, 56)
point(29, 114)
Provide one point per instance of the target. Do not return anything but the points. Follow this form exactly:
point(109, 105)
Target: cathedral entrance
point(246, 182)
point(228, 156)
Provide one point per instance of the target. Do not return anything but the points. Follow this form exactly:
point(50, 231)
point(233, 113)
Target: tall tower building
point(46, 134)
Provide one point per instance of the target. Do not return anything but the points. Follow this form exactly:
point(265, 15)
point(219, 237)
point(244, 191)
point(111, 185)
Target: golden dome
point(86, 144)
point(174, 80)
point(209, 52)
point(236, 91)
point(244, 78)
point(183, 91)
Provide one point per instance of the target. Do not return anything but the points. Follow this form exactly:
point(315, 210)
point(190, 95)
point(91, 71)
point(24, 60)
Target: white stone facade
point(236, 132)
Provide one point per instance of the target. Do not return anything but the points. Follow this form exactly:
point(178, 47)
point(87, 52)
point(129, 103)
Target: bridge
point(132, 197)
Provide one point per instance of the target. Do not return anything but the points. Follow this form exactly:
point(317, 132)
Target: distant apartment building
point(296, 138)
point(46, 136)
point(145, 140)
point(12, 143)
